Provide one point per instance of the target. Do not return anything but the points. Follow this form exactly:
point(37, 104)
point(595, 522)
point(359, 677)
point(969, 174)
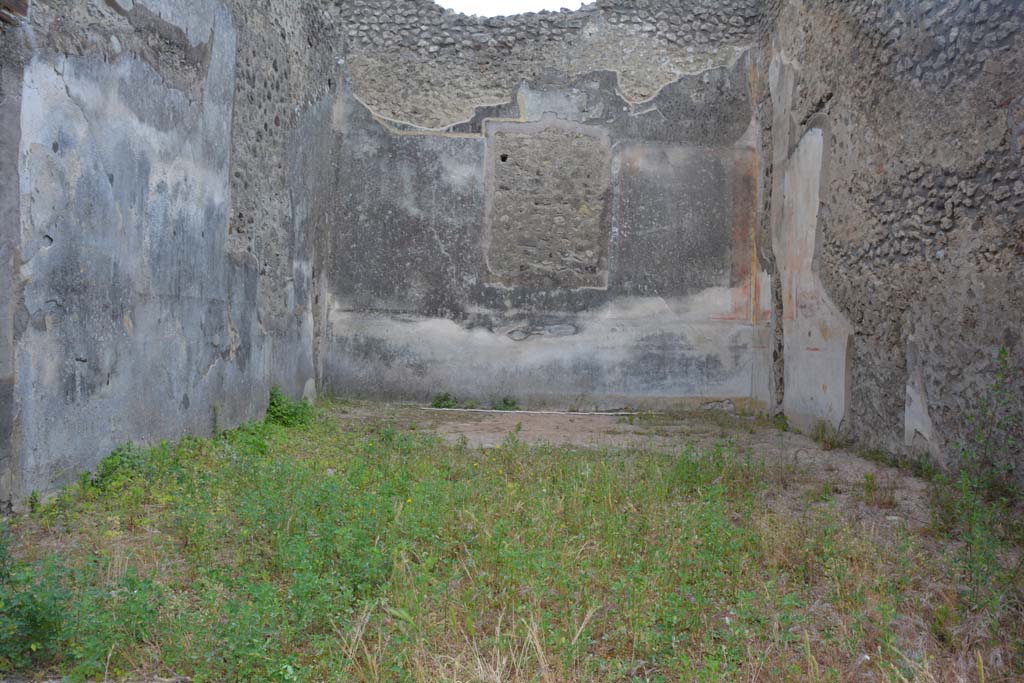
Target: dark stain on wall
point(406, 236)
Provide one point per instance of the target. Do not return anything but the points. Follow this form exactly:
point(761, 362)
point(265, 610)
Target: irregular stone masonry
point(413, 61)
point(546, 221)
point(924, 222)
point(423, 28)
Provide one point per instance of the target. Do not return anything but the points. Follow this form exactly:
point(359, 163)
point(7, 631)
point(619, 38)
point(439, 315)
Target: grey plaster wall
point(159, 210)
point(131, 321)
point(567, 248)
point(10, 136)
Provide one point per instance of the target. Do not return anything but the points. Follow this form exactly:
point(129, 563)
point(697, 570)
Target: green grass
point(445, 400)
point(302, 550)
point(507, 403)
point(287, 412)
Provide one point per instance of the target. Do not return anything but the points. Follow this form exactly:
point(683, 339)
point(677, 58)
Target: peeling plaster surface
point(414, 62)
point(919, 432)
point(133, 322)
point(816, 334)
point(566, 248)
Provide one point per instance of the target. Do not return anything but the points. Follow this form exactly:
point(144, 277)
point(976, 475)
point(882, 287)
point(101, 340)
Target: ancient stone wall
point(11, 73)
point(157, 221)
point(546, 220)
point(205, 198)
point(806, 205)
point(560, 244)
point(920, 229)
point(286, 63)
point(412, 61)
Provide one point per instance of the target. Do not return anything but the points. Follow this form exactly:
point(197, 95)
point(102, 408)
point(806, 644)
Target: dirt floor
point(806, 473)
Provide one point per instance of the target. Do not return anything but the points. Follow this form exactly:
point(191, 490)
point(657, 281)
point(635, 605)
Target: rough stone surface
point(285, 65)
point(549, 208)
point(922, 230)
point(412, 61)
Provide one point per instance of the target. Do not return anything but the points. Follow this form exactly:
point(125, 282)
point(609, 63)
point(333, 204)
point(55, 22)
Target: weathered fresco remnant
point(816, 334)
point(573, 249)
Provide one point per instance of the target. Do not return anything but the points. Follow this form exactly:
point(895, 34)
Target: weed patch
point(979, 507)
point(31, 616)
point(506, 403)
point(316, 552)
point(445, 401)
point(827, 436)
point(287, 412)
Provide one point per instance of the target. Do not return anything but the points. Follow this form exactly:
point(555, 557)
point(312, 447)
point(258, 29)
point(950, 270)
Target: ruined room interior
point(803, 212)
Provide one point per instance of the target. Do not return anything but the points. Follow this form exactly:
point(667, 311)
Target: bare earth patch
point(808, 474)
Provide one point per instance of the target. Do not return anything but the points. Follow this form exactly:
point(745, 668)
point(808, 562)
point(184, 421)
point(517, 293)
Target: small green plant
point(870, 485)
point(823, 493)
point(287, 412)
point(33, 501)
point(827, 436)
point(506, 403)
point(977, 504)
point(879, 495)
point(781, 422)
point(920, 465)
point(118, 469)
point(445, 401)
point(31, 609)
point(512, 440)
point(997, 435)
